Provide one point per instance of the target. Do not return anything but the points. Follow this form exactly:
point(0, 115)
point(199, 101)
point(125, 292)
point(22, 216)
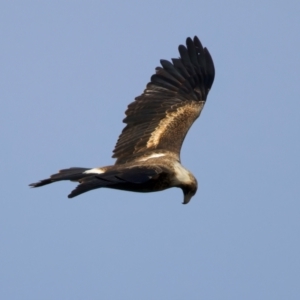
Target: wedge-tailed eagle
point(148, 149)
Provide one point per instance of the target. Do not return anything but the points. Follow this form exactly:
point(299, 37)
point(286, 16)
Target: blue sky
point(68, 71)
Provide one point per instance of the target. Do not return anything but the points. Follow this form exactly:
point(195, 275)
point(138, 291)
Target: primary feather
point(172, 99)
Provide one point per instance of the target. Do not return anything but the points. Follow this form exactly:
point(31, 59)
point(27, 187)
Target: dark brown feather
point(160, 118)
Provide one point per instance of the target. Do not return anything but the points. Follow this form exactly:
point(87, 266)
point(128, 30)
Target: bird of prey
point(148, 149)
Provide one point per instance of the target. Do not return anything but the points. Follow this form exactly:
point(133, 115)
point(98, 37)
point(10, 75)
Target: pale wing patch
point(192, 112)
point(94, 171)
point(154, 155)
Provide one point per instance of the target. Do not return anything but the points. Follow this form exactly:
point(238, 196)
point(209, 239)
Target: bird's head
point(189, 190)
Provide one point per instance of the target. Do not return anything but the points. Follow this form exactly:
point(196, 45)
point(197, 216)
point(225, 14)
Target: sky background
point(68, 71)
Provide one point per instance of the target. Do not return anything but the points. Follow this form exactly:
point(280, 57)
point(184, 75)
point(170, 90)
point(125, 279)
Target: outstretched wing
point(159, 119)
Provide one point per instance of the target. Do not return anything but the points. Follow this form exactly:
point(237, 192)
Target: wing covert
point(159, 119)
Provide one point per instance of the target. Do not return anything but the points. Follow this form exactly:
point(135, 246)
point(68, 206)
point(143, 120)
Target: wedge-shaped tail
point(73, 174)
point(135, 178)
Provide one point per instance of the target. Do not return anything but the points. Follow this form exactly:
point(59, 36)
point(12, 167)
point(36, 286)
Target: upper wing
point(160, 118)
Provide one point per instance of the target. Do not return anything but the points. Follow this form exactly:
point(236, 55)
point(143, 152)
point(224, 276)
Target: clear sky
point(68, 71)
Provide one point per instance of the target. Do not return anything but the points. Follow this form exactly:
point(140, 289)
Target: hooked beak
point(187, 198)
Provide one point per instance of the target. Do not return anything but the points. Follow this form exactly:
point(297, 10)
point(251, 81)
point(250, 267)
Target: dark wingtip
point(75, 192)
point(197, 42)
point(210, 68)
point(80, 189)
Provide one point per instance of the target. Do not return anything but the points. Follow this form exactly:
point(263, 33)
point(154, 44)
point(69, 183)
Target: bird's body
point(148, 149)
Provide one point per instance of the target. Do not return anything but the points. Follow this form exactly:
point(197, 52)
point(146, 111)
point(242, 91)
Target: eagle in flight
point(148, 150)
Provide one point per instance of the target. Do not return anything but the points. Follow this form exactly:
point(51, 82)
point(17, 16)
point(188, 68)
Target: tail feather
point(109, 176)
point(73, 174)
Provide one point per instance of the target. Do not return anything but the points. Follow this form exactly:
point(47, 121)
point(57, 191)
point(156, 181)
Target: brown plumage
point(148, 149)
